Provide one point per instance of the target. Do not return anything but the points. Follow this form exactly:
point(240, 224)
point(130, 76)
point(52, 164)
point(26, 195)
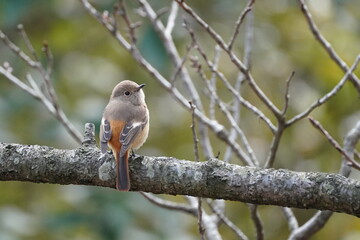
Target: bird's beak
point(141, 86)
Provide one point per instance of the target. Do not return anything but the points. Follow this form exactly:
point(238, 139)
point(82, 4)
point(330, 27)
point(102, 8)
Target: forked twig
point(327, 96)
point(326, 45)
point(233, 57)
point(238, 23)
point(46, 94)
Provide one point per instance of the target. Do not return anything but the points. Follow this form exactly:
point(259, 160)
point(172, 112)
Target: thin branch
point(47, 96)
point(46, 74)
point(315, 223)
point(131, 27)
point(248, 159)
point(169, 204)
point(193, 130)
point(249, 34)
point(227, 222)
point(107, 24)
point(239, 22)
point(275, 143)
point(327, 46)
point(221, 76)
point(239, 131)
point(327, 96)
point(183, 60)
point(196, 153)
point(159, 13)
point(336, 145)
point(18, 51)
point(39, 95)
point(257, 221)
point(236, 114)
point(213, 81)
point(27, 41)
point(18, 82)
point(287, 95)
point(312, 226)
point(290, 217)
point(210, 222)
point(237, 62)
point(171, 19)
point(280, 128)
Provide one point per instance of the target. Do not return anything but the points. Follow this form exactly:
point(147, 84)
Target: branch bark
point(211, 179)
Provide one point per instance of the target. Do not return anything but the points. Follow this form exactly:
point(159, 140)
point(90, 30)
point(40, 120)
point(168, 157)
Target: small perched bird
point(124, 126)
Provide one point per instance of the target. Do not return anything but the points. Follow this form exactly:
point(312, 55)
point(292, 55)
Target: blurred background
point(88, 63)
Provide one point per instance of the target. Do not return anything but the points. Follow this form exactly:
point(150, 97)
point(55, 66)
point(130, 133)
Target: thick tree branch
point(210, 179)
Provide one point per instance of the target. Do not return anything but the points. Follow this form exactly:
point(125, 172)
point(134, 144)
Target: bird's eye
point(127, 93)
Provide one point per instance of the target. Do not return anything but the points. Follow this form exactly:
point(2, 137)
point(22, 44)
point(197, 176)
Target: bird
point(124, 127)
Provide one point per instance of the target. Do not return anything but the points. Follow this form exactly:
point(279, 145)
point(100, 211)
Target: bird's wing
point(129, 133)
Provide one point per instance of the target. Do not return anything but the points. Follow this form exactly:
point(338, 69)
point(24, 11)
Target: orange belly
point(116, 129)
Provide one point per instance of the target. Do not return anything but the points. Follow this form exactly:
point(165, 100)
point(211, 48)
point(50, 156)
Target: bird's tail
point(122, 170)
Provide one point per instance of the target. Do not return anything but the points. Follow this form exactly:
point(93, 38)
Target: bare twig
point(336, 145)
point(236, 114)
point(183, 60)
point(280, 128)
point(131, 27)
point(169, 204)
point(193, 130)
point(327, 46)
point(239, 22)
point(290, 217)
point(248, 159)
point(249, 34)
point(221, 76)
point(257, 221)
point(213, 81)
point(237, 62)
point(47, 75)
point(315, 223)
point(275, 143)
point(227, 221)
point(46, 95)
point(196, 153)
point(327, 96)
point(27, 41)
point(18, 82)
point(171, 20)
point(18, 51)
point(311, 226)
point(287, 96)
